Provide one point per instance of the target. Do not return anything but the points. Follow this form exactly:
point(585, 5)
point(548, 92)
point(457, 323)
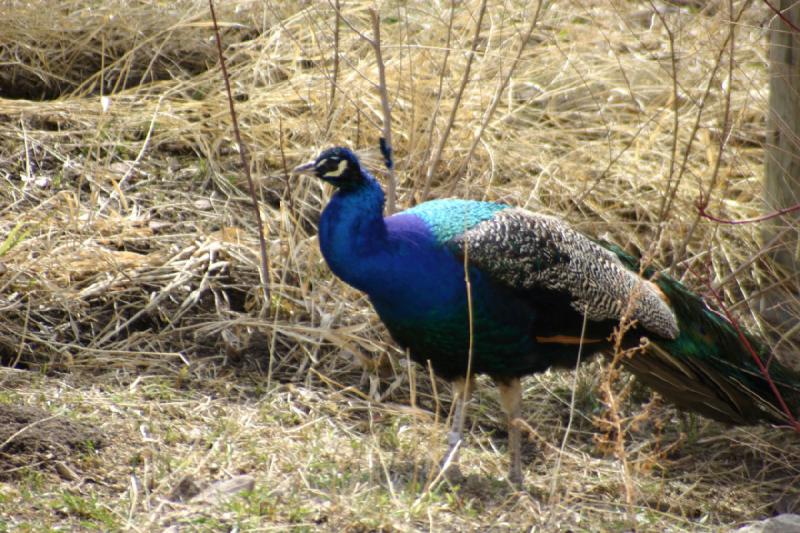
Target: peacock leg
point(511, 401)
point(462, 390)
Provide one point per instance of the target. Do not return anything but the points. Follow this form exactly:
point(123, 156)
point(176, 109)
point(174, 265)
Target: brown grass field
point(141, 361)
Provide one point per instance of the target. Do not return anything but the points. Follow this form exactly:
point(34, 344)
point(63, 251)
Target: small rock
point(202, 204)
point(186, 489)
point(158, 225)
point(784, 523)
point(219, 491)
point(65, 471)
point(787, 504)
point(8, 492)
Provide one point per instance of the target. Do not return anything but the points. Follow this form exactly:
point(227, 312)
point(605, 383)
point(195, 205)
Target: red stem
point(702, 204)
point(783, 17)
point(244, 155)
point(764, 370)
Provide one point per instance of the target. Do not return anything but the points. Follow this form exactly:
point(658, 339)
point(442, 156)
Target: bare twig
point(243, 153)
point(375, 42)
point(487, 116)
point(386, 143)
point(702, 204)
point(783, 17)
point(284, 165)
point(764, 249)
point(676, 176)
point(556, 471)
point(117, 192)
point(442, 70)
point(437, 155)
point(670, 191)
point(471, 329)
point(335, 74)
point(726, 122)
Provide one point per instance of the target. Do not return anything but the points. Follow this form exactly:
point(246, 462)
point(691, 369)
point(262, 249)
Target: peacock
point(477, 287)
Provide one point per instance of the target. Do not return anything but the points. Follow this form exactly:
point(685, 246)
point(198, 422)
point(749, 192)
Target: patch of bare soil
point(33, 437)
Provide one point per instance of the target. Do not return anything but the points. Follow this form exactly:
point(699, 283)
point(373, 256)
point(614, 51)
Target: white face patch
point(320, 163)
point(339, 170)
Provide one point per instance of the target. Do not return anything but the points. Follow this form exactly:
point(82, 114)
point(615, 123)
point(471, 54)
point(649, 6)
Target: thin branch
point(386, 142)
point(674, 181)
point(243, 153)
point(451, 120)
point(439, 91)
point(487, 116)
point(471, 345)
point(335, 74)
point(572, 401)
point(284, 165)
point(764, 249)
point(356, 30)
point(342, 58)
point(702, 204)
point(665, 201)
point(781, 16)
point(726, 121)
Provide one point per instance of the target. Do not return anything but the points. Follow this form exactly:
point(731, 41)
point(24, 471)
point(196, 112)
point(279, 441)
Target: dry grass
point(129, 265)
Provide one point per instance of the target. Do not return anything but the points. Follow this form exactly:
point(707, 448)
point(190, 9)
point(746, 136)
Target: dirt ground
point(32, 437)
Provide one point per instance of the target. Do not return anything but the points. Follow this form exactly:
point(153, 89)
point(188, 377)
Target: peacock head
point(338, 166)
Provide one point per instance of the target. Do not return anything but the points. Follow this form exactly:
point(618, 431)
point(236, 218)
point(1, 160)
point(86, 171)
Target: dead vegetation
point(129, 282)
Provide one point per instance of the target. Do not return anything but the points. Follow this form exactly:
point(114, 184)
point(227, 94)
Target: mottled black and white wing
point(526, 250)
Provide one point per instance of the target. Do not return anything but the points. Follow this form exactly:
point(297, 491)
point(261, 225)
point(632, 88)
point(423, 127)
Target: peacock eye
point(338, 171)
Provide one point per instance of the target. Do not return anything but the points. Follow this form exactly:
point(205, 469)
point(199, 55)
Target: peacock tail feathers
point(708, 367)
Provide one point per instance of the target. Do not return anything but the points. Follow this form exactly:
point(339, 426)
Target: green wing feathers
point(708, 368)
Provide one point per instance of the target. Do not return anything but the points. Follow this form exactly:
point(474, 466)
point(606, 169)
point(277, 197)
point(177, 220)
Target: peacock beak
point(305, 168)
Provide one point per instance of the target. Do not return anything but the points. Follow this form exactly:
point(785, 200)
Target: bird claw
point(515, 478)
point(453, 438)
point(452, 473)
point(449, 466)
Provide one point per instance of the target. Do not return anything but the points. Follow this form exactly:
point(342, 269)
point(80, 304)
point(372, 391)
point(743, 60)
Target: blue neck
point(352, 231)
